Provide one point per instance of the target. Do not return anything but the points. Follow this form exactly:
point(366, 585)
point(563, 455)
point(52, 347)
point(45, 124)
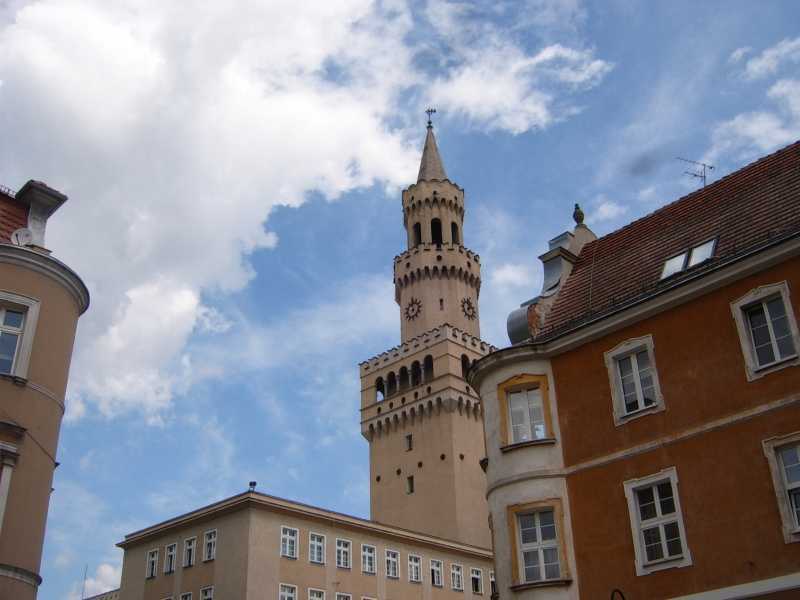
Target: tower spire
point(431, 166)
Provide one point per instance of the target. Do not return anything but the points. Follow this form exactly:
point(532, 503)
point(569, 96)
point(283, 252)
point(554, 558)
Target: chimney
point(42, 201)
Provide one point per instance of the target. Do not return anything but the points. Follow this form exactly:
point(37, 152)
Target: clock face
point(413, 309)
point(468, 308)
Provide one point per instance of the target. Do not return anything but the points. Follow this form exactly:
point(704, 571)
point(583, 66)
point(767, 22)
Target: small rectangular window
point(210, 545)
point(526, 412)
point(170, 553)
point(636, 379)
point(11, 325)
point(152, 563)
point(409, 442)
point(343, 554)
point(414, 568)
point(207, 593)
point(436, 573)
point(410, 484)
point(287, 592)
point(316, 594)
point(368, 559)
point(341, 596)
point(770, 331)
point(701, 253)
point(457, 577)
point(316, 548)
point(189, 551)
point(539, 545)
point(476, 577)
point(289, 542)
point(392, 564)
point(186, 596)
point(790, 469)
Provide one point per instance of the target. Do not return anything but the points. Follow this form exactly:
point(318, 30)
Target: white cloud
point(512, 275)
point(752, 133)
point(770, 60)
point(106, 577)
point(646, 194)
point(604, 209)
point(738, 54)
point(176, 128)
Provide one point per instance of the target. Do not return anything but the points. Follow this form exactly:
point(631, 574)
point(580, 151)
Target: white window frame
point(415, 567)
point(207, 589)
point(188, 563)
point(526, 389)
point(343, 596)
point(349, 552)
point(318, 591)
point(292, 592)
point(151, 564)
point(311, 546)
point(472, 572)
point(460, 570)
point(437, 573)
point(173, 555)
point(212, 554)
point(612, 357)
point(364, 554)
point(753, 370)
point(789, 525)
point(393, 560)
point(540, 545)
point(30, 308)
point(642, 566)
point(285, 536)
point(186, 596)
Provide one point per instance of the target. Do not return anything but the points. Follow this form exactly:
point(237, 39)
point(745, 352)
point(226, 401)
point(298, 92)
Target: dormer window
point(686, 260)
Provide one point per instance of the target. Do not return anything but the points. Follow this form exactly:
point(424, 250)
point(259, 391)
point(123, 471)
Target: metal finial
point(429, 112)
point(577, 214)
point(252, 486)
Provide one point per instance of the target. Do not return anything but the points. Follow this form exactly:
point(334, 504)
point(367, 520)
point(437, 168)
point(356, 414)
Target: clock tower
point(421, 418)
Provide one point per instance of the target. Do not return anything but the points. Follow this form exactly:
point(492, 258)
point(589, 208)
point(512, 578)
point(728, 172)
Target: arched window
point(436, 232)
point(380, 391)
point(454, 233)
point(391, 384)
point(464, 365)
point(417, 234)
point(403, 378)
point(416, 373)
point(427, 368)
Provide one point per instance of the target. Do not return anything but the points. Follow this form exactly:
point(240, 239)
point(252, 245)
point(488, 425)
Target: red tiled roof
point(748, 207)
point(13, 215)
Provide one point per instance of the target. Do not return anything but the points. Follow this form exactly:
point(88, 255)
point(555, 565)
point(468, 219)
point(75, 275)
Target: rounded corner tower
point(421, 418)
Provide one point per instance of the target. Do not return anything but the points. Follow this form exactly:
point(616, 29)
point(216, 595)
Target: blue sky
point(234, 172)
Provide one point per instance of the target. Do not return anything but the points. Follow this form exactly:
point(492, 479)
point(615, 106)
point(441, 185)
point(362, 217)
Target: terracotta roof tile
point(742, 210)
point(13, 215)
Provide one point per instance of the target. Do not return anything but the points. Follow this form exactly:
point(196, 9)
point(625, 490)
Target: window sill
point(518, 587)
point(622, 419)
point(207, 560)
point(15, 379)
point(316, 562)
point(529, 443)
point(368, 573)
point(188, 566)
point(289, 557)
point(343, 568)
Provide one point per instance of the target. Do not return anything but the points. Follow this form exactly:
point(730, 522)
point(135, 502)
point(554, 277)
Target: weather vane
point(429, 112)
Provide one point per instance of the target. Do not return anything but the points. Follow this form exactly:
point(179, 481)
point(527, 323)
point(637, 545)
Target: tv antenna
point(700, 172)
point(429, 112)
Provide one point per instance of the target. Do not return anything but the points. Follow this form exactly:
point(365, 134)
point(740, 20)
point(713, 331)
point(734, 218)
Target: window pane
point(519, 417)
point(701, 253)
point(652, 543)
point(13, 319)
point(673, 265)
point(760, 333)
point(531, 560)
point(780, 327)
point(665, 498)
point(547, 524)
point(794, 496)
point(646, 378)
point(673, 538)
point(527, 529)
point(626, 374)
point(8, 347)
point(790, 459)
point(647, 503)
point(552, 570)
point(536, 413)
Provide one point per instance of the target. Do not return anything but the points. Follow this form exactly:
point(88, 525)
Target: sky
point(234, 173)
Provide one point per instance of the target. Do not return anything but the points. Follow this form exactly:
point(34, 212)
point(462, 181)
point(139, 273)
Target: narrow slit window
point(410, 484)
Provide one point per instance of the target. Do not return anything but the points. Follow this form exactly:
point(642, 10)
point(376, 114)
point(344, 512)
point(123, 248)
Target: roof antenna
point(430, 111)
point(699, 173)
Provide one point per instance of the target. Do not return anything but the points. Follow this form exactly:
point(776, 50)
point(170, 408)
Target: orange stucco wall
point(733, 527)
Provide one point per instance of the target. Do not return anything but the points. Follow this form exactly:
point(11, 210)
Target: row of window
point(189, 554)
point(436, 233)
point(290, 548)
point(656, 520)
point(769, 338)
point(206, 593)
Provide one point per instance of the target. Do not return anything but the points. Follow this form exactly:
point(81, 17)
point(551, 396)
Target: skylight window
point(685, 260)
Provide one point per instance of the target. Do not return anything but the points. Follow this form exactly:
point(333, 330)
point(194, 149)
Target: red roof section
point(749, 207)
point(13, 215)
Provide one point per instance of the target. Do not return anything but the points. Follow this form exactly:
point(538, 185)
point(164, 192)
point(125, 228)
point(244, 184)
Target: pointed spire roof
point(431, 166)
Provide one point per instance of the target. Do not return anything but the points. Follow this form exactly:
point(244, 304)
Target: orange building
point(41, 300)
point(643, 430)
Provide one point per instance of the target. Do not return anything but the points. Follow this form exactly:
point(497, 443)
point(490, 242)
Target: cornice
point(49, 266)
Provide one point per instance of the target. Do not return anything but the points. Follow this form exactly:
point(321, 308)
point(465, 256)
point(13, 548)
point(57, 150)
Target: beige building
point(428, 536)
point(41, 300)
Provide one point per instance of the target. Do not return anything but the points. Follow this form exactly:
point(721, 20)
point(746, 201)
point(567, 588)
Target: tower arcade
point(422, 420)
